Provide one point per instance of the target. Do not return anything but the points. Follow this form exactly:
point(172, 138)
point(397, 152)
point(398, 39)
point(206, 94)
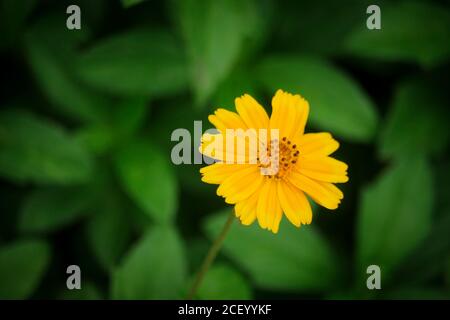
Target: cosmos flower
point(281, 170)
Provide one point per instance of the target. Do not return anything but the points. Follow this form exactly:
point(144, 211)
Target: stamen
point(284, 150)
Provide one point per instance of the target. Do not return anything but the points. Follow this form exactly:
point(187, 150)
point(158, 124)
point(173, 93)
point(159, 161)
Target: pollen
point(284, 157)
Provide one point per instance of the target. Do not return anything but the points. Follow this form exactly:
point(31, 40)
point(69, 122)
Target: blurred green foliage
point(85, 138)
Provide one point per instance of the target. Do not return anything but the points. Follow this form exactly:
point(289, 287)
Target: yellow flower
point(301, 161)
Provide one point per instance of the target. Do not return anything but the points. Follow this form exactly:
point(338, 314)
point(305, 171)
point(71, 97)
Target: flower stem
point(212, 253)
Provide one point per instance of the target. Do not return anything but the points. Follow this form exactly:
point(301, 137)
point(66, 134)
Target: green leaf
point(179, 114)
point(292, 260)
point(196, 250)
point(130, 115)
point(35, 149)
point(98, 138)
point(47, 30)
point(215, 32)
point(337, 103)
point(126, 118)
point(51, 57)
point(147, 177)
point(108, 231)
point(429, 258)
point(394, 216)
point(301, 26)
point(138, 62)
point(64, 93)
point(417, 121)
point(22, 265)
point(51, 208)
point(237, 84)
point(410, 31)
point(154, 269)
point(222, 282)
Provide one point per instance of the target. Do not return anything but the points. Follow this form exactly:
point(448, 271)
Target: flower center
point(280, 157)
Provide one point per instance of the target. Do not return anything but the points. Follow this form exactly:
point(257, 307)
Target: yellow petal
point(211, 145)
point(323, 176)
point(268, 209)
point(314, 189)
point(231, 147)
point(251, 112)
point(294, 203)
point(323, 169)
point(224, 119)
point(314, 144)
point(246, 209)
point(289, 114)
point(261, 206)
point(332, 188)
point(240, 185)
point(218, 172)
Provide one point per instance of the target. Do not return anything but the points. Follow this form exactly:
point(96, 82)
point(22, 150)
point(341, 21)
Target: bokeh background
point(85, 142)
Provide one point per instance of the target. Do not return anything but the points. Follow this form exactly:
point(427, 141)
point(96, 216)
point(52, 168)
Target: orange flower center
point(284, 157)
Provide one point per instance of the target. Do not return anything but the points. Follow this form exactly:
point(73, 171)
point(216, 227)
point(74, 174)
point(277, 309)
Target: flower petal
point(268, 209)
point(224, 119)
point(231, 148)
point(216, 173)
point(246, 209)
point(315, 190)
point(323, 169)
point(332, 188)
point(251, 112)
point(314, 144)
point(294, 203)
point(289, 114)
point(241, 184)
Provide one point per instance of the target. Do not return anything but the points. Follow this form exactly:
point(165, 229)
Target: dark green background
point(85, 124)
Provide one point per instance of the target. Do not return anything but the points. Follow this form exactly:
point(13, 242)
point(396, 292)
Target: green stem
point(212, 253)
